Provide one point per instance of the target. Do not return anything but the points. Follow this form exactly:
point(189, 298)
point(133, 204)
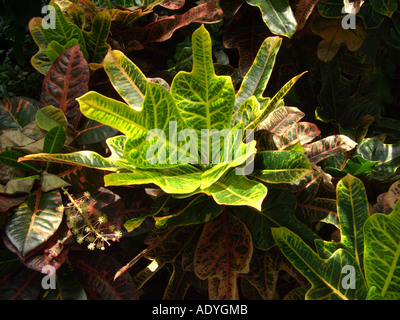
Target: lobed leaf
point(223, 252)
point(325, 275)
point(203, 99)
point(96, 39)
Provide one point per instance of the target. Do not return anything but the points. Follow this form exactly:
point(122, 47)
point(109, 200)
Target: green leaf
point(385, 7)
point(95, 40)
point(126, 78)
point(256, 79)
point(75, 15)
point(277, 15)
point(233, 159)
point(205, 101)
point(35, 221)
point(278, 210)
point(319, 209)
point(40, 61)
point(236, 190)
point(54, 49)
point(382, 253)
point(64, 32)
point(247, 112)
point(200, 210)
point(87, 158)
point(50, 117)
point(274, 103)
point(325, 275)
point(158, 114)
point(328, 147)
point(54, 140)
point(182, 179)
point(386, 155)
point(281, 166)
point(10, 158)
point(352, 208)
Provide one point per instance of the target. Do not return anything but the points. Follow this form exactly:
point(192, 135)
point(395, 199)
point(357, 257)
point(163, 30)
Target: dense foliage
point(155, 150)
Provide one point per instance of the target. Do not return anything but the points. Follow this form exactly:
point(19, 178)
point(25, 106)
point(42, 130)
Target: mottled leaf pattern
point(328, 147)
point(352, 208)
point(256, 79)
point(203, 99)
point(303, 11)
point(222, 253)
point(382, 253)
point(95, 40)
point(89, 159)
point(40, 61)
point(182, 179)
point(126, 78)
point(8, 202)
point(163, 28)
point(236, 190)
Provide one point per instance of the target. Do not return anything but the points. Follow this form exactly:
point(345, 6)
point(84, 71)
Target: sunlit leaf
point(382, 252)
point(328, 147)
point(325, 275)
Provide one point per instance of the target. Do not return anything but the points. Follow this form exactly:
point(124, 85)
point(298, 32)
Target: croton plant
point(232, 174)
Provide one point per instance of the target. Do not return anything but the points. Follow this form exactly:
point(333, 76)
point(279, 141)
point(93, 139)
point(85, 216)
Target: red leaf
point(66, 80)
point(163, 27)
point(9, 202)
point(247, 34)
point(96, 271)
point(303, 11)
point(24, 285)
point(223, 251)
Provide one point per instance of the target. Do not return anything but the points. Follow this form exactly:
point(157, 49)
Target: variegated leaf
point(328, 147)
point(223, 252)
point(205, 101)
